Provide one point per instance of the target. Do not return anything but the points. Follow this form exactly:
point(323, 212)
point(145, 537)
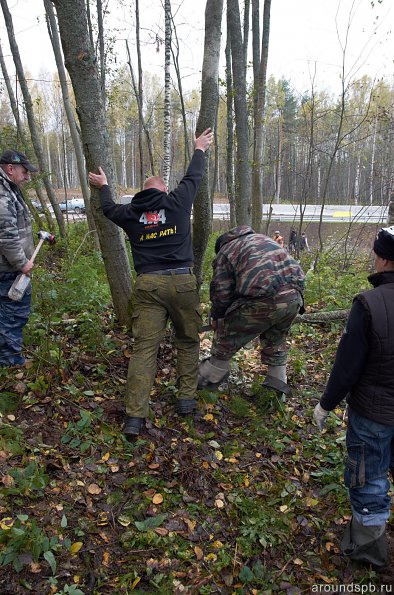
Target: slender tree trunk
point(82, 66)
point(230, 134)
point(75, 137)
point(260, 91)
point(242, 169)
point(21, 135)
point(202, 214)
point(30, 116)
point(100, 24)
point(167, 94)
point(141, 120)
point(175, 57)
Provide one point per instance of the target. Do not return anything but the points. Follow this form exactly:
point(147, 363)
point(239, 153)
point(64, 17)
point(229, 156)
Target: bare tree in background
point(81, 64)
point(202, 214)
point(30, 117)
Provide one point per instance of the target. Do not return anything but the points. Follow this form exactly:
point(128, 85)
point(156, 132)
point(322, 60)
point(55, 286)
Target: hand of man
point(204, 141)
point(27, 268)
point(99, 179)
point(319, 416)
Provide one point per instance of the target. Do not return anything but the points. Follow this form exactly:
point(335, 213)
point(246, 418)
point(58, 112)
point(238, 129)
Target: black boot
point(277, 385)
point(186, 406)
point(132, 427)
point(365, 543)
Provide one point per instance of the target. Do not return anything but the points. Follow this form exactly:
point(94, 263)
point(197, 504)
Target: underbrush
point(245, 498)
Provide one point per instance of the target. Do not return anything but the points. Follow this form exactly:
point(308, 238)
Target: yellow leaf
point(311, 502)
point(162, 531)
point(199, 553)
point(76, 579)
point(219, 503)
point(106, 558)
point(124, 520)
point(190, 524)
point(246, 482)
point(208, 417)
point(34, 567)
point(218, 455)
point(93, 488)
point(205, 465)
point(6, 523)
point(217, 544)
point(298, 561)
point(135, 582)
point(258, 455)
point(232, 460)
point(105, 457)
point(211, 557)
point(283, 508)
point(157, 499)
point(75, 547)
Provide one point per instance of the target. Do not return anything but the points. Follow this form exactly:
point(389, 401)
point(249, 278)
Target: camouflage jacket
point(250, 265)
point(16, 236)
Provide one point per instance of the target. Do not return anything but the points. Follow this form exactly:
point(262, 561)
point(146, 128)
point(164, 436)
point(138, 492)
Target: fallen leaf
point(34, 567)
point(298, 562)
point(8, 481)
point(283, 508)
point(106, 558)
point(114, 468)
point(6, 523)
point(208, 417)
point(213, 443)
point(218, 455)
point(157, 499)
point(11, 417)
point(199, 553)
point(75, 547)
point(149, 493)
point(219, 503)
point(105, 457)
point(124, 520)
point(93, 488)
point(154, 466)
point(161, 531)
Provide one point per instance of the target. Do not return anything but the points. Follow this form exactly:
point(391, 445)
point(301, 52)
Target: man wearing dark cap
point(16, 249)
point(363, 372)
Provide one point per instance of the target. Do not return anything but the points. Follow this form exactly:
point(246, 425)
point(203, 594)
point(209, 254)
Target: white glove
point(319, 416)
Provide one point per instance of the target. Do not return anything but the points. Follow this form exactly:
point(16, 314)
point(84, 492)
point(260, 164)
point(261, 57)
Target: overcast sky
point(306, 38)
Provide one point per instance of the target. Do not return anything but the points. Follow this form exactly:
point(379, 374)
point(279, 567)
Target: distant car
point(125, 199)
point(37, 205)
point(73, 204)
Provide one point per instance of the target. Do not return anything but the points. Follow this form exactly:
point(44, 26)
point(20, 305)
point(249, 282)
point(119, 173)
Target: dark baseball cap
point(16, 158)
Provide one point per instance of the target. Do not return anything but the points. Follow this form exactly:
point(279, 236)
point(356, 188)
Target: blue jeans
point(13, 317)
point(370, 447)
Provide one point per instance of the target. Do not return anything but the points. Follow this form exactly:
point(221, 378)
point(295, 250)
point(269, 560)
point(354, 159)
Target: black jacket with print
point(157, 223)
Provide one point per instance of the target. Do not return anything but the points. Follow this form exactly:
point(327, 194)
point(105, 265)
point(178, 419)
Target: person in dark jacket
point(16, 249)
point(256, 290)
point(158, 226)
point(363, 373)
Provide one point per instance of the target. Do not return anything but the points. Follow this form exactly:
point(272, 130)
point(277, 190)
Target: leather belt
point(180, 271)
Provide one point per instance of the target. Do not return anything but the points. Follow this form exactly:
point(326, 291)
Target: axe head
point(47, 237)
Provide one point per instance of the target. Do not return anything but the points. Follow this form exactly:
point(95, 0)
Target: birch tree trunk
point(230, 133)
point(75, 137)
point(35, 137)
point(167, 94)
point(202, 213)
point(242, 166)
point(81, 64)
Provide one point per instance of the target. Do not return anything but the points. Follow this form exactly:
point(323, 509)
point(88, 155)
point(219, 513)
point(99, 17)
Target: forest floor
point(246, 497)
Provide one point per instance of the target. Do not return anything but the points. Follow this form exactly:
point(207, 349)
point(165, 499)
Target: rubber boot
point(132, 427)
point(186, 406)
point(365, 543)
point(212, 372)
point(277, 379)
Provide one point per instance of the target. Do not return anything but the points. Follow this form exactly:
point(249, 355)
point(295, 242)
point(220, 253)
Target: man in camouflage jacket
point(16, 249)
point(256, 290)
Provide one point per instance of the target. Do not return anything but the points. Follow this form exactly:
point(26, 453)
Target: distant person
point(16, 249)
point(158, 226)
point(256, 291)
point(363, 374)
point(304, 242)
point(278, 239)
point(293, 241)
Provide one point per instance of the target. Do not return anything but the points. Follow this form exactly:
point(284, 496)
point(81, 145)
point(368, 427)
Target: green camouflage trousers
point(156, 299)
point(270, 320)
